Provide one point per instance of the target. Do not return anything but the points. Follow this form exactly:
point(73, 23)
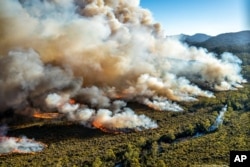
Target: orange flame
point(98, 125)
point(151, 105)
point(72, 101)
point(49, 115)
point(118, 96)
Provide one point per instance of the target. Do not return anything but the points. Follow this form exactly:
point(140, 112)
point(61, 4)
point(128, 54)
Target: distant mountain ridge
point(196, 38)
point(228, 41)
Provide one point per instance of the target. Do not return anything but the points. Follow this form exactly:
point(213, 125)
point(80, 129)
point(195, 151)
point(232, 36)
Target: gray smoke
point(98, 52)
point(25, 76)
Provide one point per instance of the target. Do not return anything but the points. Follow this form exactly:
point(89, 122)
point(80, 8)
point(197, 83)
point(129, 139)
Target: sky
point(211, 17)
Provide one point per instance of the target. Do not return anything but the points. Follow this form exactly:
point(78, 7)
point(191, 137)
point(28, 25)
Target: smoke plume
point(17, 145)
point(102, 53)
point(119, 120)
point(219, 120)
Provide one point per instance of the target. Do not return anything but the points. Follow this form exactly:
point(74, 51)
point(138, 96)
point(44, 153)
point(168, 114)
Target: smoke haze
point(219, 120)
point(102, 53)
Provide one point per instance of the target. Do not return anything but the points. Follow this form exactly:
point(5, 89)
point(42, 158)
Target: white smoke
point(161, 104)
point(126, 119)
point(115, 121)
point(219, 119)
point(22, 145)
point(114, 47)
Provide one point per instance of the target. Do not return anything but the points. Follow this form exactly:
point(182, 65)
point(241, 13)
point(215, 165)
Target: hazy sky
point(200, 16)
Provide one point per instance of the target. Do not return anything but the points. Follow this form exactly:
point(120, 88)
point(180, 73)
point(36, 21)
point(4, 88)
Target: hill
point(232, 42)
point(228, 39)
point(196, 38)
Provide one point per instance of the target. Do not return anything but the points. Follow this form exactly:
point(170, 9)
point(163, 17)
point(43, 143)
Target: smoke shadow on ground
point(51, 133)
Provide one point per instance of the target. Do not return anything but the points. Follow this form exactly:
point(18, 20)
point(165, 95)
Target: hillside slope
point(228, 39)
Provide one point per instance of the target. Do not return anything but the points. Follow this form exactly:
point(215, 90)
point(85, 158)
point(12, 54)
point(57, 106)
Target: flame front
point(99, 125)
point(49, 115)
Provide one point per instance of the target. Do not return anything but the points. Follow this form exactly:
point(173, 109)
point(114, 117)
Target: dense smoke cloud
point(24, 76)
point(121, 119)
point(98, 51)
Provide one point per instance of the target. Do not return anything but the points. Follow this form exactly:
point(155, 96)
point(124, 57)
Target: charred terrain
point(96, 83)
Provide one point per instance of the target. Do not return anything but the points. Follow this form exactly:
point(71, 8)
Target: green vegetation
point(172, 144)
point(169, 145)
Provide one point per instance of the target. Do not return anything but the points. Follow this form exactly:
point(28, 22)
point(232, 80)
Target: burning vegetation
point(18, 145)
point(22, 145)
point(76, 56)
point(52, 115)
point(91, 51)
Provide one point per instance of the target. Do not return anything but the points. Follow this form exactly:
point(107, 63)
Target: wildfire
point(151, 105)
point(9, 145)
point(48, 115)
point(98, 125)
point(118, 96)
point(72, 101)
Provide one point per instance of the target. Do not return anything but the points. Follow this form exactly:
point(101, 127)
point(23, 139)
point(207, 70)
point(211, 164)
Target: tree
point(161, 163)
point(110, 155)
point(132, 156)
point(154, 149)
point(97, 162)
